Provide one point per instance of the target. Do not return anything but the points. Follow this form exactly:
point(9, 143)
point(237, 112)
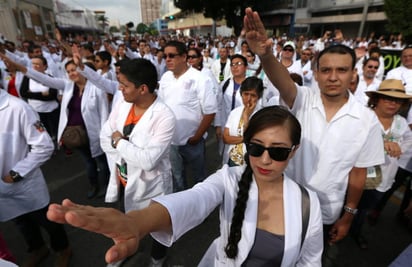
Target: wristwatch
point(115, 141)
point(15, 176)
point(350, 210)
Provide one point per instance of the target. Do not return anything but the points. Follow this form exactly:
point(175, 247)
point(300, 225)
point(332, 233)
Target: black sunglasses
point(170, 55)
point(275, 153)
point(288, 49)
point(192, 56)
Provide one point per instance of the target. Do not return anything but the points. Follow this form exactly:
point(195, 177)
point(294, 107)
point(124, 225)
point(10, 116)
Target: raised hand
point(255, 32)
point(106, 221)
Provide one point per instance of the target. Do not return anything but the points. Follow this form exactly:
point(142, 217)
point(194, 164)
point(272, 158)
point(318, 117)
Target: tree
point(142, 28)
point(113, 29)
point(231, 10)
point(103, 21)
point(399, 17)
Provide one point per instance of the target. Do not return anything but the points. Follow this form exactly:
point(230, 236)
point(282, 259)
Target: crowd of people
point(314, 139)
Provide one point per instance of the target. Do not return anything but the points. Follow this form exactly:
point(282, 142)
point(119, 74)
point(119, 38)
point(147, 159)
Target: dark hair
point(370, 59)
point(121, 62)
point(68, 63)
point(88, 47)
point(240, 57)
point(140, 71)
point(198, 54)
point(337, 49)
point(90, 65)
point(104, 55)
point(374, 99)
point(375, 50)
point(180, 47)
point(31, 48)
point(43, 59)
point(263, 119)
point(252, 83)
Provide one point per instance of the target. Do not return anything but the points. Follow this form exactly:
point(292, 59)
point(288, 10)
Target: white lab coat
point(6, 79)
point(146, 154)
point(94, 107)
point(189, 208)
point(23, 148)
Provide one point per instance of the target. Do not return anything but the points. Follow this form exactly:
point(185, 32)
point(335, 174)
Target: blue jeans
point(193, 155)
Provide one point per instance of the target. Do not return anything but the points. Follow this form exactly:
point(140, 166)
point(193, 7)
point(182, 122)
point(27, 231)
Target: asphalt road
point(66, 179)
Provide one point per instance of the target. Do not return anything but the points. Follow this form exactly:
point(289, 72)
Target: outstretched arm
point(126, 230)
point(262, 46)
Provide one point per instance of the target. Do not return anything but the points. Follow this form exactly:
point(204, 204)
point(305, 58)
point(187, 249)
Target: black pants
point(50, 121)
point(400, 178)
point(29, 225)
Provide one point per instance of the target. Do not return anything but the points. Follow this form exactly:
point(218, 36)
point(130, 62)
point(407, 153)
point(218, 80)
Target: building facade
point(150, 10)
point(26, 19)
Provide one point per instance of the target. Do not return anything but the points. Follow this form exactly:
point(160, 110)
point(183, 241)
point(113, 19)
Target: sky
point(123, 11)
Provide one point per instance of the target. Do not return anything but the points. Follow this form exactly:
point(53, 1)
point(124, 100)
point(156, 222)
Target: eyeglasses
point(288, 49)
point(236, 64)
point(386, 98)
point(374, 67)
point(192, 56)
point(275, 153)
point(170, 55)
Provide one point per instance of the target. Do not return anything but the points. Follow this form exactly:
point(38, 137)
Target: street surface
point(66, 178)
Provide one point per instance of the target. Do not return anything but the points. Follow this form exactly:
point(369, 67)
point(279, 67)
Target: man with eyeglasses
point(404, 72)
point(187, 92)
point(367, 80)
point(228, 95)
point(340, 137)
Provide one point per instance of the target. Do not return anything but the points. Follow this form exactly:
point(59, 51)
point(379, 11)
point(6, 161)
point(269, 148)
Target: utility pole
point(364, 17)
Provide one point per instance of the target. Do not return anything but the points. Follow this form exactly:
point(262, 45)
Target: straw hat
point(390, 87)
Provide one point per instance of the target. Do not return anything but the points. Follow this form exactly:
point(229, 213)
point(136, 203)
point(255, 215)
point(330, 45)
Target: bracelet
point(350, 210)
point(115, 141)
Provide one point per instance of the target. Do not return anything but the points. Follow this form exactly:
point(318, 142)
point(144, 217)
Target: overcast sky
point(116, 10)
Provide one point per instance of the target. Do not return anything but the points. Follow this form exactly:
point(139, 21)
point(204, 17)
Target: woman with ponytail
point(261, 210)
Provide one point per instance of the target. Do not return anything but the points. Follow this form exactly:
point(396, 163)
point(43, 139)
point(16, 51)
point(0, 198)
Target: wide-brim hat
point(391, 87)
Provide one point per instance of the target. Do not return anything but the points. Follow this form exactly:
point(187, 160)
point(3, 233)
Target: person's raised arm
point(126, 230)
point(262, 46)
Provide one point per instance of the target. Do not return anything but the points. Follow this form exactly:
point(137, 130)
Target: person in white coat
point(82, 104)
point(256, 201)
point(24, 197)
point(136, 139)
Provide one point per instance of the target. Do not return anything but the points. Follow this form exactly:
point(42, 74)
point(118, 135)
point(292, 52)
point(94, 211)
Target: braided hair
point(264, 118)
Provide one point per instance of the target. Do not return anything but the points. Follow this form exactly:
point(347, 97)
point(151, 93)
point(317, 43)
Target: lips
point(263, 171)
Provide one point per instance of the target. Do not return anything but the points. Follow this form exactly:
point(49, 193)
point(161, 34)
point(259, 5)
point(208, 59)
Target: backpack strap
point(305, 213)
point(225, 85)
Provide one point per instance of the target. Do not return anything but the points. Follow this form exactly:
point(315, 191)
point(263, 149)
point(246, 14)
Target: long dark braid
point(235, 235)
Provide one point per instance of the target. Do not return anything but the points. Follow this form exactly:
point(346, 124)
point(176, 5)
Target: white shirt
point(189, 208)
point(329, 150)
point(363, 87)
point(24, 147)
point(190, 98)
point(399, 128)
point(404, 74)
point(40, 105)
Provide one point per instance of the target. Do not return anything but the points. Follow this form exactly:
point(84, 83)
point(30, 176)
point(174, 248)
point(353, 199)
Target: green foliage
point(231, 10)
point(399, 17)
point(142, 28)
point(113, 29)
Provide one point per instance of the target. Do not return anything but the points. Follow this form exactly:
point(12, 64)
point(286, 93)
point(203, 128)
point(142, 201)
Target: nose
point(265, 158)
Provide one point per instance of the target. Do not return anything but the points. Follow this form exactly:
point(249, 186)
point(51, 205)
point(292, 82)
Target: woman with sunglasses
point(260, 207)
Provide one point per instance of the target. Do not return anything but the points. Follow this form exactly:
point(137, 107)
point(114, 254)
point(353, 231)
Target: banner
point(392, 59)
